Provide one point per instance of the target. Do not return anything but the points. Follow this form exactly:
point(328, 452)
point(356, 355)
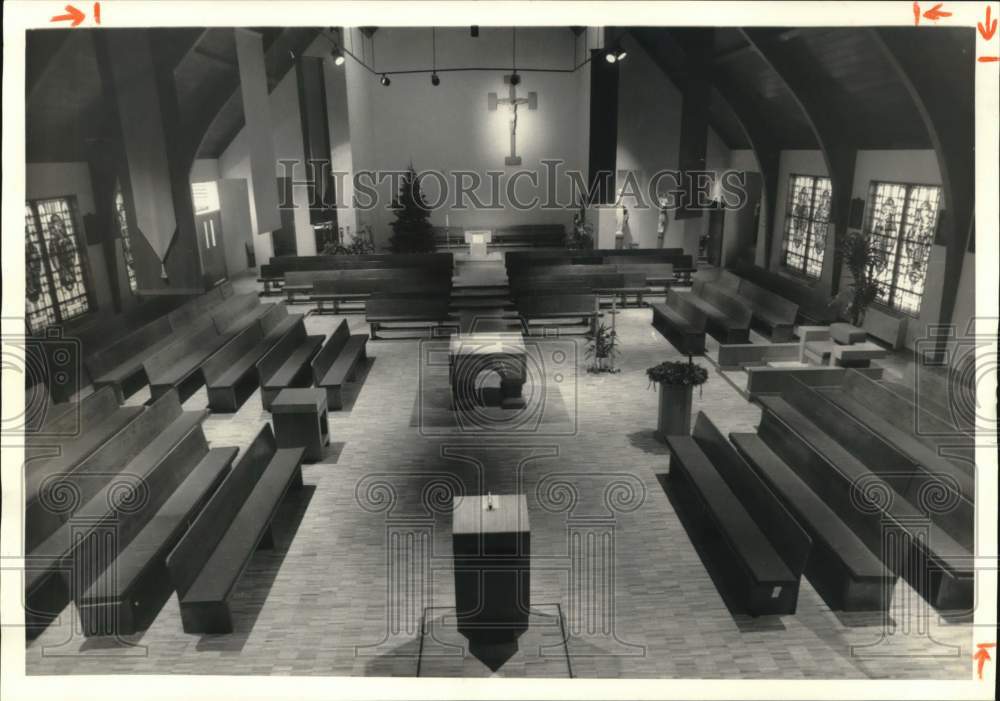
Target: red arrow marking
point(990, 29)
point(988, 59)
point(72, 14)
point(916, 13)
point(982, 656)
point(936, 13)
point(97, 12)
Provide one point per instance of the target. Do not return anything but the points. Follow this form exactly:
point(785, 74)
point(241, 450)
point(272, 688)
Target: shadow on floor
point(254, 587)
point(647, 442)
point(712, 551)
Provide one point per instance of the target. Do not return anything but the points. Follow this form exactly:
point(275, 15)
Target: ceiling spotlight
point(474, 30)
point(385, 79)
point(435, 80)
point(615, 54)
point(338, 57)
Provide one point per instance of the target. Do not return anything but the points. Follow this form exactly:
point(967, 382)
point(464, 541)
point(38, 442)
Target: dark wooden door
point(213, 251)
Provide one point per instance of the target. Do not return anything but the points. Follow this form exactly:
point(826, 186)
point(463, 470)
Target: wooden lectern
point(492, 547)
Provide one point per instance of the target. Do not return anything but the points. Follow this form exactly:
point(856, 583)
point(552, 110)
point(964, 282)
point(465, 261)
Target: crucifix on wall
point(514, 101)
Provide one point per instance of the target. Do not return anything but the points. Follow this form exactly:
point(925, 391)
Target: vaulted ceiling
point(66, 110)
point(845, 67)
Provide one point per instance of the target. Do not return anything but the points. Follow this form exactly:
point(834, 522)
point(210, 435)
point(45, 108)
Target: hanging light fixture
point(615, 54)
point(385, 79)
point(435, 80)
point(338, 56)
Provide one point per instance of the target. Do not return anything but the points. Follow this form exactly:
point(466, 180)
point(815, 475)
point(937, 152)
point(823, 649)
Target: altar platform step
point(480, 291)
point(481, 303)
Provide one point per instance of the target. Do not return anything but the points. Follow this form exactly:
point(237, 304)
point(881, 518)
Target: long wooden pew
point(765, 549)
point(770, 311)
point(209, 559)
point(287, 364)
point(337, 362)
point(231, 375)
point(272, 273)
point(337, 287)
point(556, 309)
point(238, 312)
point(178, 365)
point(132, 582)
point(680, 322)
point(841, 568)
point(89, 500)
point(726, 317)
point(871, 507)
point(909, 468)
point(407, 314)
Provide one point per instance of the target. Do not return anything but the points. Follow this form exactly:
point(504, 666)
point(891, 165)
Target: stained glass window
point(125, 235)
point(807, 218)
point(902, 220)
point(56, 288)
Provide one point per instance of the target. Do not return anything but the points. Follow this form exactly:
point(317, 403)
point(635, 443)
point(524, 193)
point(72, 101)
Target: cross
point(514, 101)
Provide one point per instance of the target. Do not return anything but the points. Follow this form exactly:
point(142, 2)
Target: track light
point(385, 79)
point(338, 56)
point(435, 80)
point(615, 55)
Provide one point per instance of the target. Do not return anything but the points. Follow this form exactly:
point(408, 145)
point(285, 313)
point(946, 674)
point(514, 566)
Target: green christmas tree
point(412, 231)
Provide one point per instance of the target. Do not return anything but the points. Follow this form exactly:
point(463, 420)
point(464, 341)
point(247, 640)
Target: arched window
point(125, 235)
point(55, 285)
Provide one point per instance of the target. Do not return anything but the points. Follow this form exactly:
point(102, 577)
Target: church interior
point(501, 351)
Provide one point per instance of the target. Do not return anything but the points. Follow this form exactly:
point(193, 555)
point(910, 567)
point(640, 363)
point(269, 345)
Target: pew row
point(209, 559)
point(727, 318)
point(337, 362)
point(178, 365)
point(764, 548)
point(680, 322)
point(933, 562)
point(769, 311)
point(287, 364)
point(409, 314)
point(98, 501)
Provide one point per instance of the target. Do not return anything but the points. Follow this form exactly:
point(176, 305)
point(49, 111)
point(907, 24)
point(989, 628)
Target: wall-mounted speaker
point(939, 236)
point(91, 229)
point(856, 218)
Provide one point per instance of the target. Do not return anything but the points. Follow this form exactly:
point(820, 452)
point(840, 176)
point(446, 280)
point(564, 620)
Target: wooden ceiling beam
point(826, 120)
point(947, 109)
point(743, 107)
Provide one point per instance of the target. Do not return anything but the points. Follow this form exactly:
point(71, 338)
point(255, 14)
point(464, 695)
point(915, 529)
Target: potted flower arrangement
point(602, 349)
point(677, 381)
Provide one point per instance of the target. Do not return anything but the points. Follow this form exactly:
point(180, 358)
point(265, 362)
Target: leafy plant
point(412, 231)
point(863, 257)
point(603, 345)
point(675, 372)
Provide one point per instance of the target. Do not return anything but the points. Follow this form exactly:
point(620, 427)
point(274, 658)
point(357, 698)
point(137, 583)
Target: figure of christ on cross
point(514, 101)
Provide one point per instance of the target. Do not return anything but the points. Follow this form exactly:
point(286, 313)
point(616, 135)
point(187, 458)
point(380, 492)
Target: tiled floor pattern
point(365, 547)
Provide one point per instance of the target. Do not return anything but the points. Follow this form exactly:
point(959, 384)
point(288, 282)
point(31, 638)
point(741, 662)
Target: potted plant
point(602, 349)
point(677, 381)
point(863, 258)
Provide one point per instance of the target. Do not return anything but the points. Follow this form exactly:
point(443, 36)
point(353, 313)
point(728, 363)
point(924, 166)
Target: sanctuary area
point(516, 351)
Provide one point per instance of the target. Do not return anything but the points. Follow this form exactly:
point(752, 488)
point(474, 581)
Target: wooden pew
point(848, 575)
point(813, 305)
point(209, 559)
point(133, 585)
point(506, 237)
point(81, 505)
point(119, 365)
point(231, 374)
point(726, 317)
point(765, 549)
point(772, 380)
point(770, 311)
point(549, 308)
point(357, 285)
point(338, 362)
point(272, 273)
point(870, 505)
point(680, 322)
point(408, 313)
point(287, 364)
point(191, 311)
point(178, 365)
point(238, 312)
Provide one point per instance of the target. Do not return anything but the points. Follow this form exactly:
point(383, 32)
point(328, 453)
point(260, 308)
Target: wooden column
point(603, 127)
point(817, 99)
